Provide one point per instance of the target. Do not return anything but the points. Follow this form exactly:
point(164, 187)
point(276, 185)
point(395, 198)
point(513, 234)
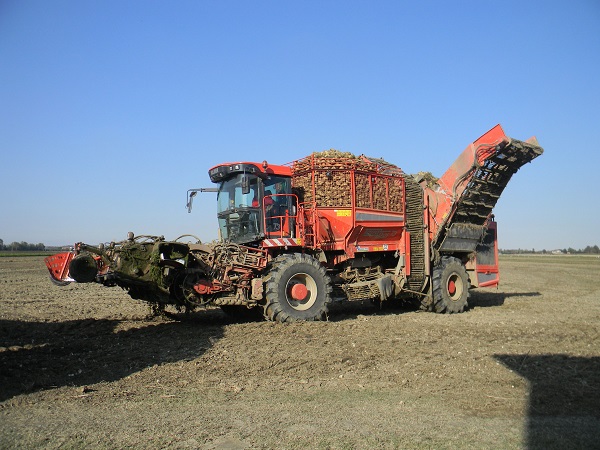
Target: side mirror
point(191, 195)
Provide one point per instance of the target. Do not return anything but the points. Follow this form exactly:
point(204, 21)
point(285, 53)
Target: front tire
point(297, 289)
point(450, 286)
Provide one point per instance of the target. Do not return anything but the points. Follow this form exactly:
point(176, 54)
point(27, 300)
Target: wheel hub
point(451, 287)
point(299, 292)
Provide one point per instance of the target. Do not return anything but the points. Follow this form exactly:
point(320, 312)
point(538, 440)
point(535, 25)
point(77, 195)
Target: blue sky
point(111, 110)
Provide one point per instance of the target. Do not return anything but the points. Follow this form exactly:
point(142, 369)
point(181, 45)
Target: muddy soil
point(84, 366)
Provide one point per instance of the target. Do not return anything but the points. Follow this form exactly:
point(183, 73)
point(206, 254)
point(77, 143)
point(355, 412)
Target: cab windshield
point(237, 209)
point(250, 209)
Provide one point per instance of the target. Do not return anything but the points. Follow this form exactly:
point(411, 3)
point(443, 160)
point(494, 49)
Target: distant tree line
point(589, 250)
point(22, 247)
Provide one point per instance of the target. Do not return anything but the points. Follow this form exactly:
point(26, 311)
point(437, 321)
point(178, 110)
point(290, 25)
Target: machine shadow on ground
point(564, 399)
point(481, 298)
point(39, 355)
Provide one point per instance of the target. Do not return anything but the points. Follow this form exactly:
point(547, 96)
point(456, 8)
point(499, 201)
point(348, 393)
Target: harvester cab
point(254, 201)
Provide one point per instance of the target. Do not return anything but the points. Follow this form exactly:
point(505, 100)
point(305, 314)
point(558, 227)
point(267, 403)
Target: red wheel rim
point(301, 291)
point(456, 287)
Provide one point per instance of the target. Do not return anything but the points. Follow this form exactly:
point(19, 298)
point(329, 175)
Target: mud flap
point(487, 258)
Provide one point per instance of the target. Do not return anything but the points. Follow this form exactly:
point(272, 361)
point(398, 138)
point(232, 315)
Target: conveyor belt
point(414, 225)
point(489, 180)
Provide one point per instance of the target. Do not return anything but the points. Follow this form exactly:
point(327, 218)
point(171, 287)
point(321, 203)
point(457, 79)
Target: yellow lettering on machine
point(343, 212)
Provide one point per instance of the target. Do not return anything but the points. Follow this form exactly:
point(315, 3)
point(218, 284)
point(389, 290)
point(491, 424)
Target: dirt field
point(82, 366)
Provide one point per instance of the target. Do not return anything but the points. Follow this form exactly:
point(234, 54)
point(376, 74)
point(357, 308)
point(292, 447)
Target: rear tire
point(450, 286)
point(297, 289)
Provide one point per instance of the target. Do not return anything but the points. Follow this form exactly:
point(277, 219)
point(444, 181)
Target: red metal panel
point(465, 160)
point(271, 169)
point(489, 274)
point(58, 265)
